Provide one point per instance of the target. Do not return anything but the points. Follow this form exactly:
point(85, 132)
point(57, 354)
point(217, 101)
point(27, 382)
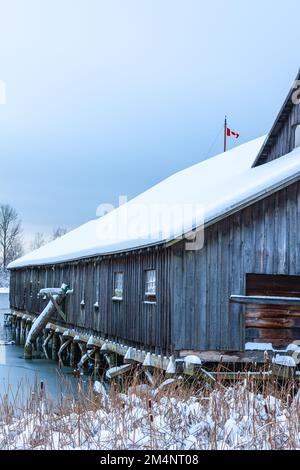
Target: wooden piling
point(55, 346)
point(73, 351)
point(23, 330)
point(18, 330)
point(96, 363)
point(13, 324)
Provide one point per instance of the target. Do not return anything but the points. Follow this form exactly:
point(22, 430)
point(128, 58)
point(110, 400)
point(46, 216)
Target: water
point(16, 372)
point(4, 301)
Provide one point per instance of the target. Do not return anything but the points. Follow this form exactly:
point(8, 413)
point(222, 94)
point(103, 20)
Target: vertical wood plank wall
point(131, 320)
point(193, 310)
point(262, 238)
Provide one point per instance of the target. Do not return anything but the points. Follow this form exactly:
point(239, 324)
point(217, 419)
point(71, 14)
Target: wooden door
point(279, 325)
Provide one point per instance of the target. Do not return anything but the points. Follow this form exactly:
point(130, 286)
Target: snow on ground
point(232, 418)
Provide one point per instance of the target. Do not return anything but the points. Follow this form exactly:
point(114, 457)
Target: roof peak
point(270, 150)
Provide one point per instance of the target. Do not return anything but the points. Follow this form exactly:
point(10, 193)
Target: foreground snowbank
point(233, 418)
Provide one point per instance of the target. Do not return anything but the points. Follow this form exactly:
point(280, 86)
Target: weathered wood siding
point(283, 140)
point(193, 287)
point(276, 324)
point(262, 238)
point(131, 320)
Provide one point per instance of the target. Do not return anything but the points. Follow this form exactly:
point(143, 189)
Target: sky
point(107, 98)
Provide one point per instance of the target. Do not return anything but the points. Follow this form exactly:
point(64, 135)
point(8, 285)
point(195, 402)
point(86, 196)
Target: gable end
point(281, 138)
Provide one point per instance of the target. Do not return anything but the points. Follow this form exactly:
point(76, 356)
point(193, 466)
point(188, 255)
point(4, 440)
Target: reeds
point(250, 412)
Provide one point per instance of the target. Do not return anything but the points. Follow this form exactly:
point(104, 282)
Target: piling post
point(48, 337)
point(13, 328)
point(39, 343)
point(56, 297)
point(28, 326)
point(82, 347)
point(18, 330)
point(55, 346)
point(65, 342)
point(23, 330)
point(97, 363)
point(73, 362)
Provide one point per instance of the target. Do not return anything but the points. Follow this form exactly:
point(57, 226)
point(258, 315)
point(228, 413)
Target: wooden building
point(161, 294)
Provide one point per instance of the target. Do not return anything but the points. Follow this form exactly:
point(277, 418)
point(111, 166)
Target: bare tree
point(10, 235)
point(58, 232)
point(16, 250)
point(38, 241)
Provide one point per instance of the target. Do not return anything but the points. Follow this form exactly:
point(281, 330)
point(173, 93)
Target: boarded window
point(118, 285)
point(150, 284)
point(297, 136)
point(276, 324)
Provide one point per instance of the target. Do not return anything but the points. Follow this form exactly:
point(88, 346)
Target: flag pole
point(225, 134)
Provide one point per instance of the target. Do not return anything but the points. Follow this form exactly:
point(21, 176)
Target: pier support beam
point(18, 331)
point(28, 327)
point(55, 346)
point(13, 324)
point(97, 363)
point(90, 352)
point(56, 296)
point(48, 337)
point(64, 346)
point(23, 330)
point(82, 347)
point(39, 343)
point(73, 354)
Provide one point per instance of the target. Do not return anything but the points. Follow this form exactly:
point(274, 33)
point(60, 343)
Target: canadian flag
point(230, 133)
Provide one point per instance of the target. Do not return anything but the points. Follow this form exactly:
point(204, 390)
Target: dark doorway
point(276, 324)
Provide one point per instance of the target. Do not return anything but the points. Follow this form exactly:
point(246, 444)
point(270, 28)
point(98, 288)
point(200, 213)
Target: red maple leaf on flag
point(231, 133)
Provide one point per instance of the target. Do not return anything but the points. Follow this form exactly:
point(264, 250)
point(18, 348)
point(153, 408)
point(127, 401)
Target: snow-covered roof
point(202, 193)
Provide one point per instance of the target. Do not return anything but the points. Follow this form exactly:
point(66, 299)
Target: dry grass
point(250, 413)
